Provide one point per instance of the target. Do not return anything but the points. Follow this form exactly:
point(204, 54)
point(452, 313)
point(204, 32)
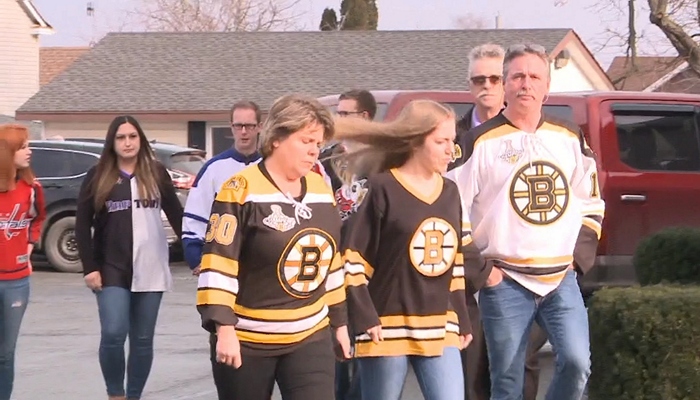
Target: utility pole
point(90, 10)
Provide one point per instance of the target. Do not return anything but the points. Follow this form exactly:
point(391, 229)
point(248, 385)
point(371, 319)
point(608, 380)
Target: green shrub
point(671, 255)
point(645, 343)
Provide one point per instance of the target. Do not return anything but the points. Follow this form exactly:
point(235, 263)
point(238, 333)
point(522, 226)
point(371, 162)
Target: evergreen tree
point(372, 15)
point(354, 15)
point(329, 20)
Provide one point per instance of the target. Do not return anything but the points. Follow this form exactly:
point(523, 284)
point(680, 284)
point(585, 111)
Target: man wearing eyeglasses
point(532, 221)
point(245, 126)
point(486, 85)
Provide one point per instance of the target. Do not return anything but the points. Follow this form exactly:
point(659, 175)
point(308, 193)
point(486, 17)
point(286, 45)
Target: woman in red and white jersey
point(21, 217)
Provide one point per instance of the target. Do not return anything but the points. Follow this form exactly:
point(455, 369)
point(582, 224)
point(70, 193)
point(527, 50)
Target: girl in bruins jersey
point(272, 278)
point(403, 255)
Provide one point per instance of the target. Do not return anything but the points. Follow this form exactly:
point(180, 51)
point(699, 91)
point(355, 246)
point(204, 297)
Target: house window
point(219, 138)
point(658, 138)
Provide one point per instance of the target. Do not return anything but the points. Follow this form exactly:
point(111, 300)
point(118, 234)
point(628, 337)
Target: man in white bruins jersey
point(534, 213)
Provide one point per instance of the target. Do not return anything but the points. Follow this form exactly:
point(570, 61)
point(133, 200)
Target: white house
point(20, 28)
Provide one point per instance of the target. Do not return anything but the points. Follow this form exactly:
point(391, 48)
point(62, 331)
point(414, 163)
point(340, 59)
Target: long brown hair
point(379, 146)
point(12, 138)
point(107, 172)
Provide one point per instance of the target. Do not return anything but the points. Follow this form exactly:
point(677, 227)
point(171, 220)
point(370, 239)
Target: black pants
point(475, 360)
point(307, 373)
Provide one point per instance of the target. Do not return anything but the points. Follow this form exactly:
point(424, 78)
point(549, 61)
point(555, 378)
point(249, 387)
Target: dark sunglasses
point(239, 127)
point(481, 79)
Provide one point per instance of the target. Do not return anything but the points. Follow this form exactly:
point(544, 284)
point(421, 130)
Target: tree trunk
point(683, 42)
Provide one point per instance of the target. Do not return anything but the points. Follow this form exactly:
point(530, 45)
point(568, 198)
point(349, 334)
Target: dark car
point(61, 166)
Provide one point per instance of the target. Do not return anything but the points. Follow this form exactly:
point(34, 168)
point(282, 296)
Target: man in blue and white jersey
point(245, 125)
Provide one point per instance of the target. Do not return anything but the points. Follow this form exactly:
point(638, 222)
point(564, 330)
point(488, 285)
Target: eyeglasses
point(346, 113)
point(248, 127)
point(481, 79)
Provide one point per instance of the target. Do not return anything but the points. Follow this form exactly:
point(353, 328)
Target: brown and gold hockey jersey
point(271, 265)
point(404, 268)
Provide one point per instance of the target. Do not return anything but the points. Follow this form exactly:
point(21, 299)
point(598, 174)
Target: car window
point(379, 116)
point(189, 163)
point(460, 109)
point(559, 111)
point(59, 163)
point(658, 140)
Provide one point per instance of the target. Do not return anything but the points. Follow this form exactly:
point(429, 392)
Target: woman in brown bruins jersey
point(403, 255)
point(272, 278)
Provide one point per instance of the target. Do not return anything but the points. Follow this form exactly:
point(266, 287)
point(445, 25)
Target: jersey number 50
point(222, 229)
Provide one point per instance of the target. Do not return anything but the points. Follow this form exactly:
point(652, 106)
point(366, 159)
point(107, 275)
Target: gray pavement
point(57, 349)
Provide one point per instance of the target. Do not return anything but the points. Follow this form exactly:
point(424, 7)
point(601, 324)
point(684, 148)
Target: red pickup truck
point(648, 147)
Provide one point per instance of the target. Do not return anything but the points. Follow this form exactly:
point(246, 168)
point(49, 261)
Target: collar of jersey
point(240, 157)
point(507, 121)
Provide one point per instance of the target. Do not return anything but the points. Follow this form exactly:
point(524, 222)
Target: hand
point(465, 340)
point(30, 250)
point(495, 277)
point(93, 280)
point(375, 333)
point(228, 348)
point(344, 350)
point(195, 271)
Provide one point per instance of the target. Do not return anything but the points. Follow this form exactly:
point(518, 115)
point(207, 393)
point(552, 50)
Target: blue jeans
point(14, 296)
point(507, 313)
point(123, 313)
point(347, 380)
point(439, 378)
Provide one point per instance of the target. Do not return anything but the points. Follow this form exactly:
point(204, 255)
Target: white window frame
point(209, 138)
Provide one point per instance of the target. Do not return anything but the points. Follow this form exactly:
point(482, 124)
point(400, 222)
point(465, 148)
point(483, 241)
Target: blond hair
point(290, 114)
point(379, 146)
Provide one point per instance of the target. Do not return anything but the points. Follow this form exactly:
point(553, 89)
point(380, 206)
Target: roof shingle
point(54, 60)
point(196, 72)
point(648, 70)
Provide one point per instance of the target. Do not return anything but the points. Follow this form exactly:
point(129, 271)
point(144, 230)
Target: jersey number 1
point(595, 191)
point(222, 229)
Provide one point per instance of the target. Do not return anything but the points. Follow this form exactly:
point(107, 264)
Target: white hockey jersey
point(531, 201)
point(213, 174)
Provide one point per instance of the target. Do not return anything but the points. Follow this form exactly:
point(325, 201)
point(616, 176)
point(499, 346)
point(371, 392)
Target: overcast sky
point(74, 28)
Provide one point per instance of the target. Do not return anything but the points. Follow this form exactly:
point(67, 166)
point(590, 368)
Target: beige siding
point(578, 74)
point(19, 57)
point(174, 132)
point(570, 79)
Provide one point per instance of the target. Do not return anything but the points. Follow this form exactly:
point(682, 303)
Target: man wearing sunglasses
point(485, 84)
point(532, 217)
point(245, 126)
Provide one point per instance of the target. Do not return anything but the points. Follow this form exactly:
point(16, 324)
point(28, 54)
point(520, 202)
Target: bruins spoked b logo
point(305, 262)
point(539, 193)
point(433, 247)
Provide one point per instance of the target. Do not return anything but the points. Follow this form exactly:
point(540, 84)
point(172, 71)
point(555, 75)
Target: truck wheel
point(60, 246)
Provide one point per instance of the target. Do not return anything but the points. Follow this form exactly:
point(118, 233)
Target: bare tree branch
point(677, 34)
point(470, 21)
point(216, 15)
point(677, 19)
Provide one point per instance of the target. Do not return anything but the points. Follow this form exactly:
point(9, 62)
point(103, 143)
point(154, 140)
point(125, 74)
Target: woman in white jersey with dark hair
point(125, 262)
